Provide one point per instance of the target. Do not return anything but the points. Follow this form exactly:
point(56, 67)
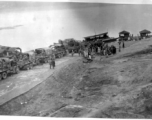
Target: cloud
point(11, 27)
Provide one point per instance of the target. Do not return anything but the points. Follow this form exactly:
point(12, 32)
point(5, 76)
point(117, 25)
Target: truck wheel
point(4, 75)
point(0, 77)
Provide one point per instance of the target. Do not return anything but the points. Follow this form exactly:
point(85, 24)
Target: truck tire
point(4, 75)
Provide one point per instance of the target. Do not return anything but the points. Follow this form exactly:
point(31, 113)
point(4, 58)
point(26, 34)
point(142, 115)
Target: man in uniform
point(119, 43)
point(123, 44)
point(80, 52)
point(105, 49)
point(52, 61)
point(72, 53)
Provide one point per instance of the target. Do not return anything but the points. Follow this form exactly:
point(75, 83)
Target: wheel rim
point(4, 75)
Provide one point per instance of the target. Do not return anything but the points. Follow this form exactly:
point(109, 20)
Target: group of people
point(88, 52)
point(103, 50)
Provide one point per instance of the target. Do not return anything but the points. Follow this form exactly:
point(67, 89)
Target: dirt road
point(20, 83)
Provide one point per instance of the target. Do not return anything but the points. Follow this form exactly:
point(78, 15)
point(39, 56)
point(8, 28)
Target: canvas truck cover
point(14, 49)
point(4, 50)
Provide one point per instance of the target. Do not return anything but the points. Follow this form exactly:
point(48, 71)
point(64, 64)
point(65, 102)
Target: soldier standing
point(85, 53)
point(52, 61)
point(67, 52)
point(123, 44)
point(119, 42)
point(72, 53)
point(80, 51)
point(106, 49)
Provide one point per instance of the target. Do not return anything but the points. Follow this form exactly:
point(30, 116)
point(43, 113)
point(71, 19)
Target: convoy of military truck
point(12, 59)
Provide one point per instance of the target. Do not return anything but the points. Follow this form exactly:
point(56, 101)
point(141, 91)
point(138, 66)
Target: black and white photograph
point(76, 59)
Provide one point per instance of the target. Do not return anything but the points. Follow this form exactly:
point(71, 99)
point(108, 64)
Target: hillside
point(115, 87)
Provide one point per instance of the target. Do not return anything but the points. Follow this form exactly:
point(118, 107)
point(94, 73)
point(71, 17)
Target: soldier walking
point(52, 61)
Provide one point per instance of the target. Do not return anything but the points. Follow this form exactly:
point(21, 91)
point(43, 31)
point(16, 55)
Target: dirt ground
point(116, 87)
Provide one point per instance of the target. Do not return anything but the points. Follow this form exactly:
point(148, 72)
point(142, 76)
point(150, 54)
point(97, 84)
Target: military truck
point(7, 66)
point(41, 56)
point(15, 53)
point(25, 62)
point(58, 50)
point(23, 59)
point(73, 45)
point(32, 57)
point(10, 51)
point(49, 51)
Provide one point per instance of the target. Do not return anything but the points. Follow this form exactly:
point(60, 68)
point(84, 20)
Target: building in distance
point(144, 33)
point(124, 35)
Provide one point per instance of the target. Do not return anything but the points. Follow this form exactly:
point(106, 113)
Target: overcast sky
point(32, 25)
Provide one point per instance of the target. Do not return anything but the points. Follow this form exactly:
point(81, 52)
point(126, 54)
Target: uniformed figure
point(123, 44)
point(85, 53)
point(80, 52)
point(52, 61)
point(89, 57)
point(72, 53)
point(99, 50)
point(105, 49)
point(119, 42)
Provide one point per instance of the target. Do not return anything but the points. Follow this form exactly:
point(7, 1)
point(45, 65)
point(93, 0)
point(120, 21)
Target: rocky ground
point(115, 87)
